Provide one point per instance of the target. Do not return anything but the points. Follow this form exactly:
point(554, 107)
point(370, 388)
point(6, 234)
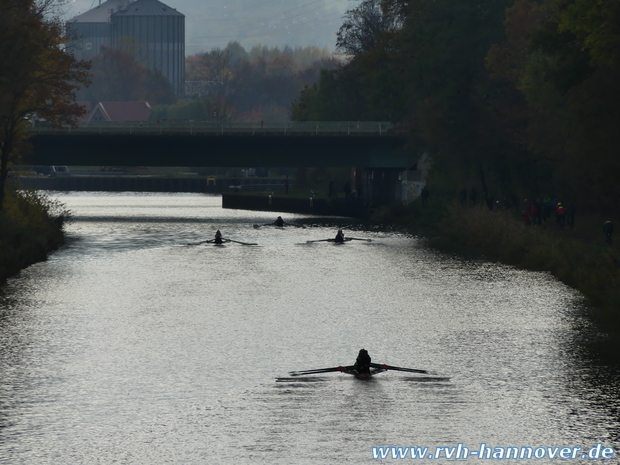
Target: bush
point(31, 225)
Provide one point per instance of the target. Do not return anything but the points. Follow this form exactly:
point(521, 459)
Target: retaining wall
point(283, 203)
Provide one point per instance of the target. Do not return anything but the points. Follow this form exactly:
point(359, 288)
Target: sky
point(213, 23)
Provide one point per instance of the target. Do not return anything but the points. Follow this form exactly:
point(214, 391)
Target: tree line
point(517, 97)
point(232, 84)
point(229, 84)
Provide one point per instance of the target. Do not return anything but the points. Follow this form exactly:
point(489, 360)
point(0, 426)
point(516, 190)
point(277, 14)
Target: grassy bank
point(31, 226)
point(579, 257)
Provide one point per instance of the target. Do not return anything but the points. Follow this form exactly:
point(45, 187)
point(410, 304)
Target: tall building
point(152, 32)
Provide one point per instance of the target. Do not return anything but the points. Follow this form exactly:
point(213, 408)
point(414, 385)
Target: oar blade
point(239, 242)
point(320, 370)
point(390, 367)
point(197, 243)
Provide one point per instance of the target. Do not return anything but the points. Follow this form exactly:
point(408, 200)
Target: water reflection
point(131, 346)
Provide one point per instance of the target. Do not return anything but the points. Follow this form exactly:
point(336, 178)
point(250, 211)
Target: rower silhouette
point(362, 364)
point(279, 221)
point(339, 236)
point(218, 237)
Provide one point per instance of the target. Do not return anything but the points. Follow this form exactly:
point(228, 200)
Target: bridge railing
point(215, 127)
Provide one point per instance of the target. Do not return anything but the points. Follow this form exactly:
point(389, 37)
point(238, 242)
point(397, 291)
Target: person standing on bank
point(424, 196)
point(608, 229)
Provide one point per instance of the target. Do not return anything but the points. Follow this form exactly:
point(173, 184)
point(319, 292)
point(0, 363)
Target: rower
point(279, 221)
point(339, 236)
point(218, 237)
point(362, 364)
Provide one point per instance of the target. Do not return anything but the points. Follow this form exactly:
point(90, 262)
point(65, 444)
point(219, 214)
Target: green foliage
point(30, 226)
point(338, 97)
point(594, 23)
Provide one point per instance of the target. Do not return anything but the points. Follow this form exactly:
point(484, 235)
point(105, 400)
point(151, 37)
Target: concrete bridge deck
point(291, 128)
point(309, 144)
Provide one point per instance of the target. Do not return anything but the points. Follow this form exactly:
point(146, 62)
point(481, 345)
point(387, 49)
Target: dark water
point(131, 346)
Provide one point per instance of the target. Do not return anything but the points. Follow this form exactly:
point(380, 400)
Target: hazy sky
point(214, 23)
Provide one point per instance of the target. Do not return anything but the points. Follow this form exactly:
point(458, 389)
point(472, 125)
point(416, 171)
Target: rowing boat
point(223, 241)
point(346, 239)
point(376, 368)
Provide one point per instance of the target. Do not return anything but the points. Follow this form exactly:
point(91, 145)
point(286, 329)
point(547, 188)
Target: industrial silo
point(154, 34)
point(90, 31)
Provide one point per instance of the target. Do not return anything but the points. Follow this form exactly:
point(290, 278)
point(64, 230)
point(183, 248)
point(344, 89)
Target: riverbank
point(31, 226)
point(579, 257)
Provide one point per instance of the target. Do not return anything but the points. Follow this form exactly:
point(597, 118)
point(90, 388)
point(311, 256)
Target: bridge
point(214, 144)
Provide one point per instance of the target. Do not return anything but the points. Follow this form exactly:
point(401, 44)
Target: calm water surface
point(131, 345)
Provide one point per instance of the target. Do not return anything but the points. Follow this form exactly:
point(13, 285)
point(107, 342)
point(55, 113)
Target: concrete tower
point(152, 32)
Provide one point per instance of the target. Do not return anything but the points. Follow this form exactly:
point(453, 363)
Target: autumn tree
point(38, 78)
point(117, 77)
point(255, 86)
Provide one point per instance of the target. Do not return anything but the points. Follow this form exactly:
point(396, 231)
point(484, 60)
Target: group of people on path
point(540, 211)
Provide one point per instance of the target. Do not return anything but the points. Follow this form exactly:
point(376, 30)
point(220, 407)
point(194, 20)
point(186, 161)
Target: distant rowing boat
point(279, 226)
point(223, 241)
point(346, 239)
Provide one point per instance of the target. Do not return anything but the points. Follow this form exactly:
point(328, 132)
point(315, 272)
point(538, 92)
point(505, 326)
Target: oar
point(201, 242)
point(320, 370)
point(320, 240)
point(390, 367)
point(239, 242)
point(357, 239)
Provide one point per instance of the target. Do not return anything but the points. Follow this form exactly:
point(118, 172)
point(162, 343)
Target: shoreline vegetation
point(31, 226)
point(579, 256)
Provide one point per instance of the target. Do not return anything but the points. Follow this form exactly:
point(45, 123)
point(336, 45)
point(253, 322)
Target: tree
point(595, 24)
point(258, 86)
point(117, 77)
point(561, 76)
point(38, 78)
point(363, 24)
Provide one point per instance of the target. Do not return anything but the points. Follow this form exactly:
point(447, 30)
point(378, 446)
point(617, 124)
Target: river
point(135, 344)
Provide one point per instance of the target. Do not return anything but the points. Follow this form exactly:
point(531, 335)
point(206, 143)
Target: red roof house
point(120, 111)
